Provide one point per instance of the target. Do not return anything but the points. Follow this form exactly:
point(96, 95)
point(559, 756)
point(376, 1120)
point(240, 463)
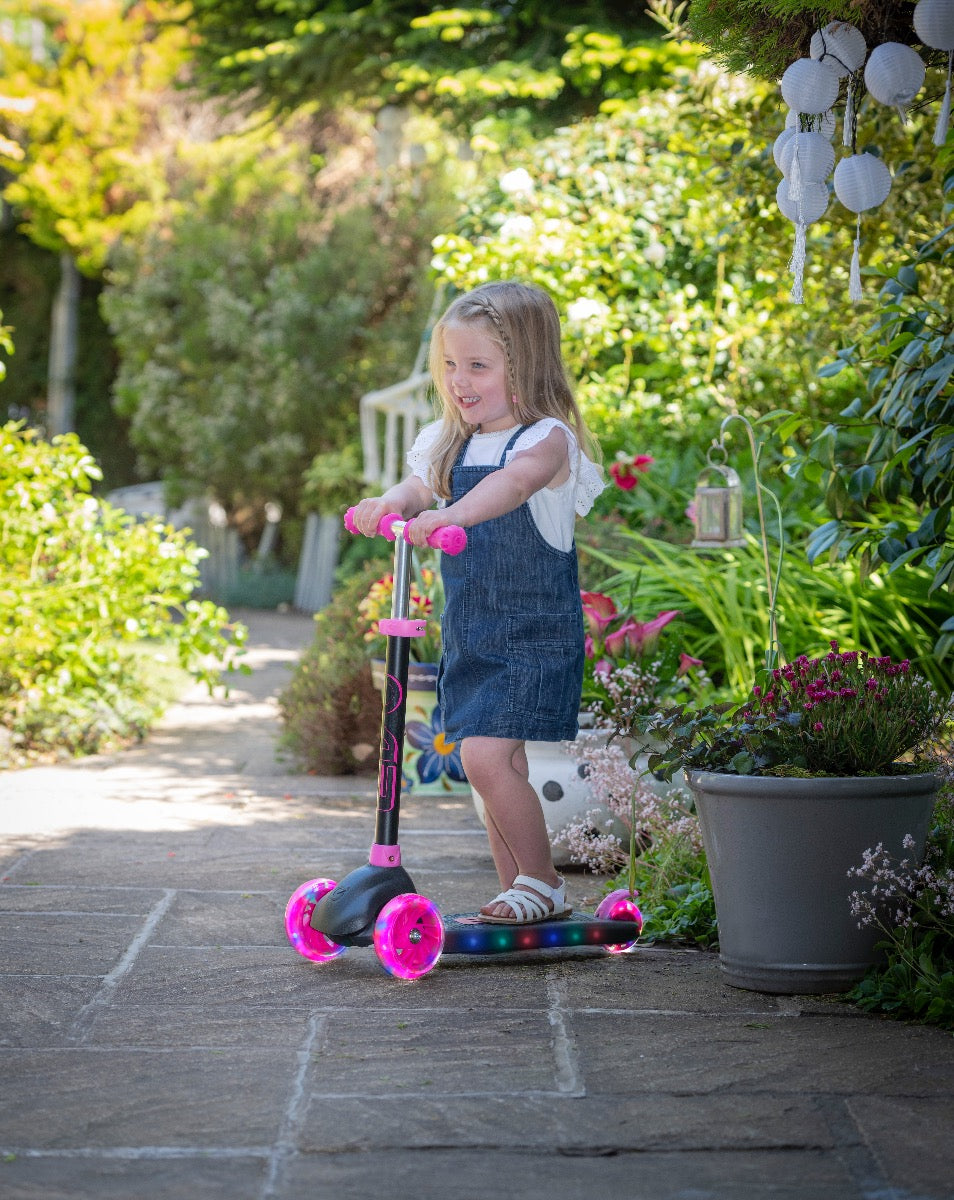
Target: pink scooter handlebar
point(450, 538)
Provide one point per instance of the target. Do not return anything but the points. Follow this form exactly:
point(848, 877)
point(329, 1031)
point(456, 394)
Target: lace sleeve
point(419, 455)
point(589, 477)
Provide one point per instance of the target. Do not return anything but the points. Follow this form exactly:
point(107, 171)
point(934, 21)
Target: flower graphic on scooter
point(437, 757)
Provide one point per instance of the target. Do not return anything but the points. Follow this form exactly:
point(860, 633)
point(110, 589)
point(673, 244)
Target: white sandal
point(530, 909)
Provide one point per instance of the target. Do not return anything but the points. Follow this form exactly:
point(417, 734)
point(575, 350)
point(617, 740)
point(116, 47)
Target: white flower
point(586, 309)
point(516, 229)
point(517, 182)
point(655, 254)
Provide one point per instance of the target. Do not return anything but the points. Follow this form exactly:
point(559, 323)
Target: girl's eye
point(476, 366)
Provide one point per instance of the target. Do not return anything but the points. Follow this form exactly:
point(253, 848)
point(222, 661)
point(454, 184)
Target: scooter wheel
point(620, 906)
point(409, 936)
point(307, 941)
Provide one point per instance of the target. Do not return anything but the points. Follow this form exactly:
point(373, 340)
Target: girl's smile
point(476, 376)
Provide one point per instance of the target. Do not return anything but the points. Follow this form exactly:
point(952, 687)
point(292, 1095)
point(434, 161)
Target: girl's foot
point(528, 902)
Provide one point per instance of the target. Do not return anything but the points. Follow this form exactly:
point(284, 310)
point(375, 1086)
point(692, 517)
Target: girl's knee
point(487, 759)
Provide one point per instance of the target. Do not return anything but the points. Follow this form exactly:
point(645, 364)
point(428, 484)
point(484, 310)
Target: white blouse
point(554, 510)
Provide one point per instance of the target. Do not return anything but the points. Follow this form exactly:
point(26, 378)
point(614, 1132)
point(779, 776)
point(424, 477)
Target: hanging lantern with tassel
point(810, 206)
point(809, 87)
point(779, 145)
point(806, 158)
point(842, 48)
point(934, 25)
point(823, 123)
point(894, 75)
point(862, 181)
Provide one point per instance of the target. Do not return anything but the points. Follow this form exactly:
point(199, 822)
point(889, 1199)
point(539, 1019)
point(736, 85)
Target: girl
point(505, 461)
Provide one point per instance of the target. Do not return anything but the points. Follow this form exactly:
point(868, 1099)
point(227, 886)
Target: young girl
point(505, 462)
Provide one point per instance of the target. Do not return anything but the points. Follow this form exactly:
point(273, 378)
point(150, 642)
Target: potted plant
point(432, 765)
point(824, 760)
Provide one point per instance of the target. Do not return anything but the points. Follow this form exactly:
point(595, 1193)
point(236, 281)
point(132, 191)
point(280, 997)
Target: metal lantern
point(717, 508)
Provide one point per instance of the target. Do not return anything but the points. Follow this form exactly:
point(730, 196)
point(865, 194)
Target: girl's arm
point(407, 498)
point(527, 472)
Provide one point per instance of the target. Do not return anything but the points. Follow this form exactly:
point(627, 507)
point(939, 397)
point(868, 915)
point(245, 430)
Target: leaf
point(861, 483)
point(822, 539)
point(889, 549)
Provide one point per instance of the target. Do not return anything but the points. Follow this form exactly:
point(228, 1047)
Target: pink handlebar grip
point(449, 538)
point(452, 539)
point(384, 525)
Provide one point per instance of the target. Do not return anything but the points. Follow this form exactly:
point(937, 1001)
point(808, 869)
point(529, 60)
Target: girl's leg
point(519, 843)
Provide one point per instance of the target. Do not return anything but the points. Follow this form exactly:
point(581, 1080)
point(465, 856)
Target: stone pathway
point(159, 1039)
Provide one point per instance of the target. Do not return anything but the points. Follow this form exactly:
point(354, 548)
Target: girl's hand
point(406, 498)
point(422, 526)
point(367, 513)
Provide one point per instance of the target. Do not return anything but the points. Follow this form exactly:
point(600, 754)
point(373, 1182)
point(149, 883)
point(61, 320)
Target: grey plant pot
point(779, 851)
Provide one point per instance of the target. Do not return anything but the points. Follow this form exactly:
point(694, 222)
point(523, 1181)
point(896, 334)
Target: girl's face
point(477, 379)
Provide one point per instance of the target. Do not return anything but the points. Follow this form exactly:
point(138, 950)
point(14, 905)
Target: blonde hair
point(523, 322)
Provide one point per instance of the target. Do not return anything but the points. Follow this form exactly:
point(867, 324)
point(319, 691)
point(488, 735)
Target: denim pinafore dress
point(512, 627)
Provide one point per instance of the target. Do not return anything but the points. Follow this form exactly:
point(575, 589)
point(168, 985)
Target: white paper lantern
point(823, 123)
point(894, 75)
point(809, 87)
point(806, 158)
point(811, 204)
point(934, 25)
point(779, 145)
point(862, 181)
point(841, 47)
point(809, 207)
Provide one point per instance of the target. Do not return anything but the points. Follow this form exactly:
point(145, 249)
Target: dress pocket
point(545, 652)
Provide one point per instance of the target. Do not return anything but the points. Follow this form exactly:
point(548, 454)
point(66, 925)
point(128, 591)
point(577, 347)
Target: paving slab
point(159, 1037)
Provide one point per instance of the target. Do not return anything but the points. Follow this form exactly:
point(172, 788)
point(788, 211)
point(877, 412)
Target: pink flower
point(687, 663)
point(639, 636)
point(626, 471)
point(598, 610)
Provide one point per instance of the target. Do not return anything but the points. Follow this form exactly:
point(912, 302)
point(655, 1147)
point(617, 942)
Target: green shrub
point(81, 583)
point(330, 709)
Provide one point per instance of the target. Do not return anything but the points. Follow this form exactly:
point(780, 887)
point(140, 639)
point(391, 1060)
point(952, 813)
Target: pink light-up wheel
point(307, 941)
point(620, 906)
point(409, 936)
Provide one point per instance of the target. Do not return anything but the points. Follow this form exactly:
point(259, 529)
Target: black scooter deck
point(469, 933)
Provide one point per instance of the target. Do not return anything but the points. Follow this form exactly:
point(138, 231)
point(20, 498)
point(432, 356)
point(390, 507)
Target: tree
point(885, 463)
point(267, 300)
point(83, 146)
point(548, 60)
point(762, 37)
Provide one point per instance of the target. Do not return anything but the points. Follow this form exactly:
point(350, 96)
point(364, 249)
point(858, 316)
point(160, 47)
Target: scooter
point(377, 904)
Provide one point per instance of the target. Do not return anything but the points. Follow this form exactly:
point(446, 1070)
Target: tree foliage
point(84, 135)
point(885, 464)
point(257, 313)
point(80, 583)
point(554, 60)
point(764, 36)
point(656, 231)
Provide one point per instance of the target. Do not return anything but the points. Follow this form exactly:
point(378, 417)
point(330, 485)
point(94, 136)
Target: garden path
point(159, 1038)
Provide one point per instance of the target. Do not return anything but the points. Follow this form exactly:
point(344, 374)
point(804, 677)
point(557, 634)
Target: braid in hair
point(484, 307)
